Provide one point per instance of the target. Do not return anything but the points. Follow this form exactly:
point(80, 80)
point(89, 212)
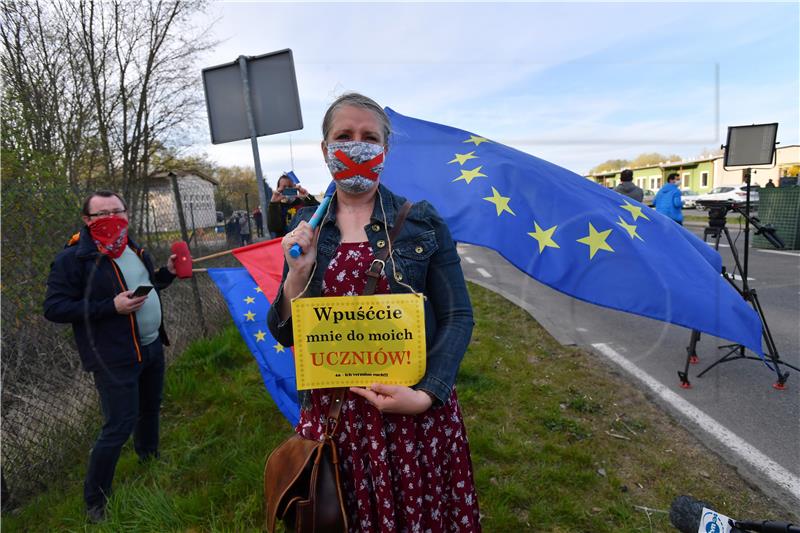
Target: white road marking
point(469, 260)
point(713, 429)
point(712, 244)
point(737, 277)
point(483, 273)
point(582, 330)
point(780, 253)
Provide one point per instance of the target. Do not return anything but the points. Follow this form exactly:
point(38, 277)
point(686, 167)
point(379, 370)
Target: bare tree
point(142, 65)
point(95, 83)
point(44, 86)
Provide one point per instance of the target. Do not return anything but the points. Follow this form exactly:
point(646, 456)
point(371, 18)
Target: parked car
point(648, 198)
point(729, 193)
point(689, 197)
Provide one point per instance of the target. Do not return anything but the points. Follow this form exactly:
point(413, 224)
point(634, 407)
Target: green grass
point(702, 216)
point(540, 419)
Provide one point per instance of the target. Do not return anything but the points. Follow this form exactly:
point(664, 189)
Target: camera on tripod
point(718, 213)
point(747, 145)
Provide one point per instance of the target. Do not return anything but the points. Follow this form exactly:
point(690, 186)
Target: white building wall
point(785, 157)
point(197, 197)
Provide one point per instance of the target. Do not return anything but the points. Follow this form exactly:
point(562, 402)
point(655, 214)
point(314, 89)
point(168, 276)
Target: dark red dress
point(400, 473)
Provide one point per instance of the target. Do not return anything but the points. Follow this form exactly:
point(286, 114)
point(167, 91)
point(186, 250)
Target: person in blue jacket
point(668, 200)
point(120, 336)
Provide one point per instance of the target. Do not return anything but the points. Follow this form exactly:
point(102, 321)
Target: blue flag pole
point(296, 251)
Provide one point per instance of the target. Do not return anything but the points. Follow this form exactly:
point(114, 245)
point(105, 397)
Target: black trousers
point(130, 397)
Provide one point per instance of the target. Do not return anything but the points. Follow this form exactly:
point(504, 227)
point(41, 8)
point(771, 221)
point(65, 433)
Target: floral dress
point(399, 472)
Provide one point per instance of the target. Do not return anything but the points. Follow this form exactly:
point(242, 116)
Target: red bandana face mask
point(110, 234)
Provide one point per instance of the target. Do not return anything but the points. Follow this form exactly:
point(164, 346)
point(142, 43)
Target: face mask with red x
point(355, 165)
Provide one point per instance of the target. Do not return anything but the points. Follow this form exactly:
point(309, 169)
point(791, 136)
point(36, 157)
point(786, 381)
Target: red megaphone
point(183, 259)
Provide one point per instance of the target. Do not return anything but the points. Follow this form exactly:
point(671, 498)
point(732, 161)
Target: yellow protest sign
point(347, 341)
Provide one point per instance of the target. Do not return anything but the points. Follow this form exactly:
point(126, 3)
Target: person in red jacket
point(120, 336)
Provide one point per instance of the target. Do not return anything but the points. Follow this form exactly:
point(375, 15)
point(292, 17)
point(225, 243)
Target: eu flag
point(291, 175)
point(565, 231)
point(248, 306)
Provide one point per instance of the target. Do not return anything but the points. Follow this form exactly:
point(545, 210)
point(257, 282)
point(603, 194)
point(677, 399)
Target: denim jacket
point(427, 260)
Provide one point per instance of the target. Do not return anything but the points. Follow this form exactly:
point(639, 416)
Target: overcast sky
point(575, 84)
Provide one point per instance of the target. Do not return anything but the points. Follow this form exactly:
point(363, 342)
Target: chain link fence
point(50, 410)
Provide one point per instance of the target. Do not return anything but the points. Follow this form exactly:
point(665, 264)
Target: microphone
point(686, 514)
point(768, 526)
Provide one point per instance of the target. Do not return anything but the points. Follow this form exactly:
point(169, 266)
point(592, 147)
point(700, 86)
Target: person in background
point(258, 218)
point(627, 187)
point(283, 207)
point(120, 336)
point(769, 184)
point(244, 228)
point(403, 451)
point(232, 231)
point(668, 199)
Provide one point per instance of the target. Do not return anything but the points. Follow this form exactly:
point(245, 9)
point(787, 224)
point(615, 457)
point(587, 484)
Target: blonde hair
point(356, 100)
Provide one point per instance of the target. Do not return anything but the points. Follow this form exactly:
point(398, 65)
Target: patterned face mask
point(110, 234)
point(355, 165)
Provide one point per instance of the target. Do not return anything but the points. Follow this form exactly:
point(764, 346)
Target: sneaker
point(96, 514)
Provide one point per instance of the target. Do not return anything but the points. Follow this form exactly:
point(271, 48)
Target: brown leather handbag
point(301, 478)
point(301, 481)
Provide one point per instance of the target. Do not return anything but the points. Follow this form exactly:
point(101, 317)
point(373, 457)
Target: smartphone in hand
point(289, 192)
point(141, 290)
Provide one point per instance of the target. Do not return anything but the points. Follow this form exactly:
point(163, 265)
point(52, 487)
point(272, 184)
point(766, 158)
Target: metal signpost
point(251, 97)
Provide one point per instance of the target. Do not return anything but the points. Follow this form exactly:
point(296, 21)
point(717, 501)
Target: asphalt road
point(734, 408)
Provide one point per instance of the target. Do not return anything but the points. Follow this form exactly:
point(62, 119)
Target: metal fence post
point(198, 303)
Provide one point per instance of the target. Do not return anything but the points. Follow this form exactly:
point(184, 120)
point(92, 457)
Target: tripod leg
point(772, 349)
point(691, 358)
point(735, 254)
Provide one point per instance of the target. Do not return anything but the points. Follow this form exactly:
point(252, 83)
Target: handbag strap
point(379, 262)
point(334, 410)
point(373, 275)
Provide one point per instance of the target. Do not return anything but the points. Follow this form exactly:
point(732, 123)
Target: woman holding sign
point(403, 451)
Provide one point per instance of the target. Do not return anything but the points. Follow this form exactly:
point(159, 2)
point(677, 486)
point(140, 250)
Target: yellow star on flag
point(476, 140)
point(635, 210)
point(469, 175)
point(544, 237)
point(279, 347)
point(463, 158)
point(250, 316)
point(500, 202)
point(260, 335)
point(596, 240)
point(258, 289)
point(249, 300)
point(630, 228)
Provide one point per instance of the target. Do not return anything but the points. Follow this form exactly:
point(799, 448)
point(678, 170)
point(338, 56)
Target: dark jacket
point(280, 215)
point(427, 260)
point(630, 190)
point(81, 290)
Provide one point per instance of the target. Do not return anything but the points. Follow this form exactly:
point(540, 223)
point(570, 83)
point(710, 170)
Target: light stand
point(746, 145)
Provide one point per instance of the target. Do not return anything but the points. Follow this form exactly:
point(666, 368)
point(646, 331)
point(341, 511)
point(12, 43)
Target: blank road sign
point(273, 96)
